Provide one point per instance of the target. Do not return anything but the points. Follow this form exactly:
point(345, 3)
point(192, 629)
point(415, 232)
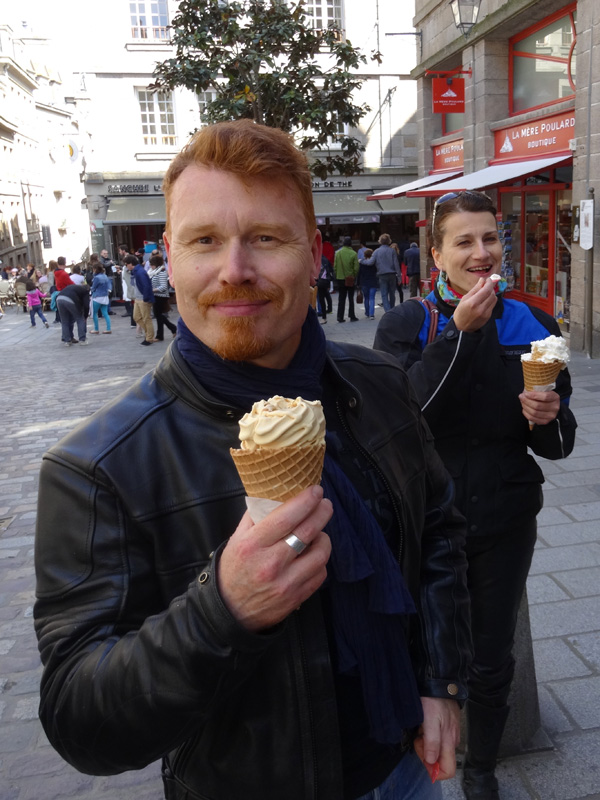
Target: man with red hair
point(318, 653)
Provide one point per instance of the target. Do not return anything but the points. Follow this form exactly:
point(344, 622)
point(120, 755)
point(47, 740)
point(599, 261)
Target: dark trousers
point(343, 292)
point(71, 314)
point(324, 298)
point(161, 307)
point(497, 571)
point(413, 282)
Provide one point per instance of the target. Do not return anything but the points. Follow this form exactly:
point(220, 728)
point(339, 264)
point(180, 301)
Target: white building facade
point(125, 135)
point(40, 168)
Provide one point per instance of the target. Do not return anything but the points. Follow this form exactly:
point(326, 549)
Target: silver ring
point(295, 543)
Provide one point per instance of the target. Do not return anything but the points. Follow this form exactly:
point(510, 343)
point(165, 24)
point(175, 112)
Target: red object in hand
point(435, 771)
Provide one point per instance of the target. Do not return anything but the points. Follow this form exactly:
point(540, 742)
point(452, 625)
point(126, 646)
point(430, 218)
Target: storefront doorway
point(536, 231)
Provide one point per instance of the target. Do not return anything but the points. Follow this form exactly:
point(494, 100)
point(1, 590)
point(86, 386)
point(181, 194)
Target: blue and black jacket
point(468, 385)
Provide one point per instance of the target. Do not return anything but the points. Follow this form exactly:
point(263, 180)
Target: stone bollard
point(523, 732)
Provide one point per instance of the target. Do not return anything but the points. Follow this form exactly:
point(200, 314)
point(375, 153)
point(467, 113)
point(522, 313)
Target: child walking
point(34, 303)
point(100, 297)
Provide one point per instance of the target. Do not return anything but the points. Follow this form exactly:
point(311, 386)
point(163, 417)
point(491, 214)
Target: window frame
point(167, 138)
point(323, 5)
point(514, 52)
point(148, 16)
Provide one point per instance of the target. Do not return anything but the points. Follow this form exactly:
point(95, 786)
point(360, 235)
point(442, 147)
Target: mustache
point(234, 293)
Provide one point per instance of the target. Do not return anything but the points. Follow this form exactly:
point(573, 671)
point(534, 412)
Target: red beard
point(239, 340)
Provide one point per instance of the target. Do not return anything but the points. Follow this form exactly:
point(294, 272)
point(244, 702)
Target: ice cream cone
point(279, 473)
point(538, 373)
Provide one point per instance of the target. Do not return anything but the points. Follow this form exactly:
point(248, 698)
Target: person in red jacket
point(61, 278)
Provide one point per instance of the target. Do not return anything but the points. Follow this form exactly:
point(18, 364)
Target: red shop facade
point(529, 145)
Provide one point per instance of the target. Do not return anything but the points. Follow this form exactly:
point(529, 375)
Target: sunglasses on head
point(452, 196)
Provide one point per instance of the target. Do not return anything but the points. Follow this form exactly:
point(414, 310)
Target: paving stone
point(552, 516)
point(579, 698)
point(566, 497)
point(574, 464)
point(6, 645)
point(69, 783)
point(569, 773)
point(554, 659)
point(572, 533)
point(558, 559)
point(580, 582)
point(583, 511)
point(588, 644)
point(26, 709)
point(543, 589)
point(565, 617)
point(15, 737)
point(554, 720)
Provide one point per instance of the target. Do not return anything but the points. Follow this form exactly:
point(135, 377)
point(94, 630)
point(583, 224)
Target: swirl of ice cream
point(548, 350)
point(281, 422)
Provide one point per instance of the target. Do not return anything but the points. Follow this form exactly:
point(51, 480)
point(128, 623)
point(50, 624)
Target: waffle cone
point(279, 473)
point(538, 373)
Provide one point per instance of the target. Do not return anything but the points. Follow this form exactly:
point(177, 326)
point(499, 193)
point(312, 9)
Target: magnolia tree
point(262, 59)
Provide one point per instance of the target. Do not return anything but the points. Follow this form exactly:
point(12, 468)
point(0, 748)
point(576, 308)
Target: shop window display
point(536, 244)
point(536, 233)
point(562, 272)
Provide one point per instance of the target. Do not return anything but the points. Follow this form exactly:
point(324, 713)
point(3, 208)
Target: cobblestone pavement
point(47, 388)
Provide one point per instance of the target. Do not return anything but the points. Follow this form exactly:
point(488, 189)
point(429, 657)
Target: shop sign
point(332, 184)
point(133, 188)
point(540, 137)
point(449, 155)
point(353, 219)
point(586, 224)
point(448, 95)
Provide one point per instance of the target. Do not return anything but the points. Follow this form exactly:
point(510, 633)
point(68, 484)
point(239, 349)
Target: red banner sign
point(448, 95)
point(539, 137)
point(448, 156)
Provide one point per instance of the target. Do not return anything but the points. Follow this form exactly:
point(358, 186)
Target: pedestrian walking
point(99, 291)
point(159, 280)
point(34, 303)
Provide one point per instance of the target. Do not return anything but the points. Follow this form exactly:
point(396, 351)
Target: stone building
point(529, 136)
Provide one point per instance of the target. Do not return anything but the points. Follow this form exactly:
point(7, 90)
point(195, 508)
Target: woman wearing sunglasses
point(470, 385)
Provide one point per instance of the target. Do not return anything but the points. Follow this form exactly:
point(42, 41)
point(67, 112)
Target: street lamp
point(465, 14)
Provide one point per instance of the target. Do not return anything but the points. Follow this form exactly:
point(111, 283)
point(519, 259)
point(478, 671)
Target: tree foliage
point(263, 60)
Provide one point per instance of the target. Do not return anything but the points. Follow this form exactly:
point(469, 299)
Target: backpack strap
point(433, 317)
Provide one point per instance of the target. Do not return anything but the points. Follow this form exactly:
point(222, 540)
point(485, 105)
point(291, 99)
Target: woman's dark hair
point(94, 259)
point(453, 203)
point(157, 261)
point(29, 286)
point(98, 268)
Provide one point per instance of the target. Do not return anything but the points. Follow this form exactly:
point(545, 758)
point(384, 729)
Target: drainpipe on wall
point(588, 310)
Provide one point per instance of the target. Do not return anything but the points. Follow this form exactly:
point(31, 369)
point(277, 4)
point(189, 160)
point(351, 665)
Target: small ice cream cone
point(540, 374)
point(279, 473)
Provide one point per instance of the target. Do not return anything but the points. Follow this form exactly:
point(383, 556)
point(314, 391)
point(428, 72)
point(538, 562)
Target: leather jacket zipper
point(369, 458)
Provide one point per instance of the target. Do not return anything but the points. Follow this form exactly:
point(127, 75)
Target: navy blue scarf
point(368, 595)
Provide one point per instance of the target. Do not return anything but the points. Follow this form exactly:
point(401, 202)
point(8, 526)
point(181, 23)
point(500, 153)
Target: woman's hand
point(476, 307)
point(540, 408)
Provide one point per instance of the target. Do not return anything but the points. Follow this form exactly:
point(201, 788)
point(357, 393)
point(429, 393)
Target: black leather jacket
point(141, 656)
